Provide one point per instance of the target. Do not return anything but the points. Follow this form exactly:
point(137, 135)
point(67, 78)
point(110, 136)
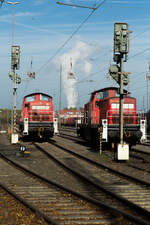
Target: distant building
point(70, 117)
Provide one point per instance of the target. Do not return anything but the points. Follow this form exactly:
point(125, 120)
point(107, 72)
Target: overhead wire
point(83, 95)
point(78, 28)
point(132, 7)
point(139, 53)
point(97, 6)
point(71, 36)
point(147, 29)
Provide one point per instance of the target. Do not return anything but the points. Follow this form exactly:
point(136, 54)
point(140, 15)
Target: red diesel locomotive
point(37, 118)
point(102, 111)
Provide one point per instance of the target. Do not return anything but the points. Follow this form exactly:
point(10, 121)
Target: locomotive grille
point(39, 115)
point(45, 117)
point(115, 119)
point(35, 118)
point(128, 119)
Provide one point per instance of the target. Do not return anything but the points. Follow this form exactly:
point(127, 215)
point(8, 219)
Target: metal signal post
point(148, 79)
point(15, 63)
point(60, 96)
point(121, 101)
point(121, 49)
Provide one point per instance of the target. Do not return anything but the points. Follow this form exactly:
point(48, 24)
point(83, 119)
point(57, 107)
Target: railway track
point(48, 199)
point(129, 192)
point(139, 157)
point(19, 213)
point(139, 154)
point(111, 187)
point(67, 128)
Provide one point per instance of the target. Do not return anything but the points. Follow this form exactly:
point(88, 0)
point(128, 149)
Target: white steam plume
point(78, 56)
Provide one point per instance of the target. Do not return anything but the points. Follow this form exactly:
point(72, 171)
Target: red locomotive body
point(103, 108)
point(37, 115)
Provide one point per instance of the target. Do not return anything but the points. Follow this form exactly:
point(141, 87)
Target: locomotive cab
point(104, 105)
point(38, 115)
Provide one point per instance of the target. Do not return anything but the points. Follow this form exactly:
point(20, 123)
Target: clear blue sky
point(42, 29)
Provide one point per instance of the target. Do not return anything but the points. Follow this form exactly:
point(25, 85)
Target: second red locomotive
point(102, 111)
point(37, 116)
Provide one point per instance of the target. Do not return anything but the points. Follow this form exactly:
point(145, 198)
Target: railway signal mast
point(148, 79)
point(15, 65)
point(121, 49)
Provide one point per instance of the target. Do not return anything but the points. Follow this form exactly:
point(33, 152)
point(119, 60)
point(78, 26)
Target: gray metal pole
point(14, 80)
point(14, 108)
point(13, 22)
point(60, 95)
point(13, 117)
point(12, 111)
point(121, 101)
point(143, 104)
point(147, 93)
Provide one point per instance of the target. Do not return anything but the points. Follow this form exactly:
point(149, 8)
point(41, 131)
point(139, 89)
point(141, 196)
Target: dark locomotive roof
point(35, 93)
point(126, 93)
point(109, 88)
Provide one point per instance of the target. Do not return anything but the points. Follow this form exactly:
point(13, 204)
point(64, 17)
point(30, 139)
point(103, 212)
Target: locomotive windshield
point(116, 93)
point(44, 98)
point(30, 98)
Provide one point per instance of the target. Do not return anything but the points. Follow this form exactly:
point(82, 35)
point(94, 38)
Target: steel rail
point(111, 209)
point(103, 166)
point(35, 210)
point(102, 187)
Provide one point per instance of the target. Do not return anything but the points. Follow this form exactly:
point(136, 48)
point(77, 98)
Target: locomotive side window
point(44, 98)
point(96, 103)
point(99, 95)
point(30, 98)
point(105, 94)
